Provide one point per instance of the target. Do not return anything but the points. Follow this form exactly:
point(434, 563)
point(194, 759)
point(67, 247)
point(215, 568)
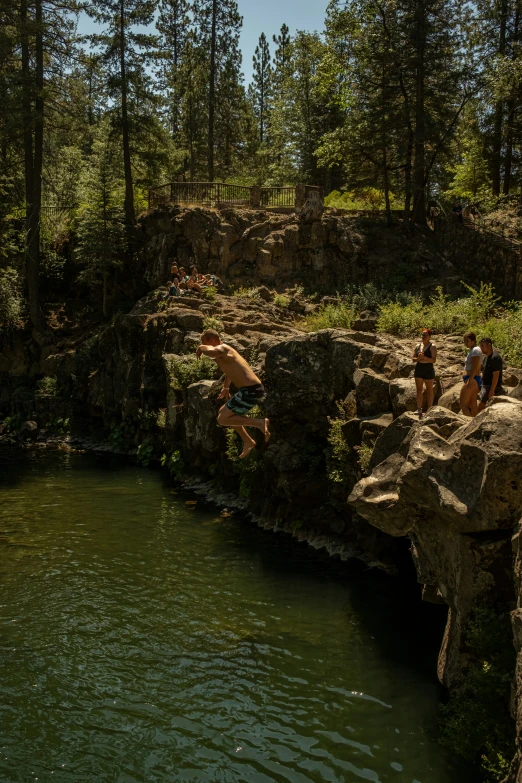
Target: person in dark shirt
point(491, 373)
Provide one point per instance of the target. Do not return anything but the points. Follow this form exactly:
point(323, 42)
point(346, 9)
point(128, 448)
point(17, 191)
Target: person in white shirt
point(472, 378)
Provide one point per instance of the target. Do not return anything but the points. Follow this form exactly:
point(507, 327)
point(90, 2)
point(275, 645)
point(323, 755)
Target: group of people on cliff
point(482, 377)
point(193, 282)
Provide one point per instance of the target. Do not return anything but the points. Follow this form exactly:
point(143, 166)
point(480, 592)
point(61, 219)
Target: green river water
point(146, 640)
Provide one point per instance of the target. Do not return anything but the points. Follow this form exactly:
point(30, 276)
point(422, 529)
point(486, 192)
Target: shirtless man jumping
point(250, 393)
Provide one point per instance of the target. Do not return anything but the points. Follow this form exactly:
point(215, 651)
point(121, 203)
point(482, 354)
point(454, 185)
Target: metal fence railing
point(277, 197)
point(222, 194)
point(209, 194)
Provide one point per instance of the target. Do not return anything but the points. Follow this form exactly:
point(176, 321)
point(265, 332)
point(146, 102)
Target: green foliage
point(48, 385)
point(365, 452)
point(13, 423)
point(213, 323)
point(190, 369)
point(361, 198)
point(144, 455)
point(281, 300)
point(338, 316)
point(209, 293)
point(11, 301)
point(339, 452)
point(476, 722)
point(247, 469)
point(59, 426)
point(249, 293)
point(174, 464)
point(117, 436)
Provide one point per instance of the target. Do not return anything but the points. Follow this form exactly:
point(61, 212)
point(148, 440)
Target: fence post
point(255, 197)
point(171, 192)
point(218, 193)
point(300, 196)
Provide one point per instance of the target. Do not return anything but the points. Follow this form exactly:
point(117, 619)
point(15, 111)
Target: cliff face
point(250, 247)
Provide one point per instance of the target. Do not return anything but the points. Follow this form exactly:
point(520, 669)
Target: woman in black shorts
point(424, 356)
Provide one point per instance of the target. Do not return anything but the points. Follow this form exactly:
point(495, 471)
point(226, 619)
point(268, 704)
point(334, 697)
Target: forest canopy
point(396, 101)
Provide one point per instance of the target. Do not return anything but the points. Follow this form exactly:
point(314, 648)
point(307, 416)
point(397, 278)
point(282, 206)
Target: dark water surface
point(142, 639)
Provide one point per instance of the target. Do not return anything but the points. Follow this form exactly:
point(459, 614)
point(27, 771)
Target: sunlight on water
point(144, 640)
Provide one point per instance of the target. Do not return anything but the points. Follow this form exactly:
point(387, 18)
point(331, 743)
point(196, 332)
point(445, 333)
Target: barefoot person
point(471, 377)
point(425, 356)
point(250, 393)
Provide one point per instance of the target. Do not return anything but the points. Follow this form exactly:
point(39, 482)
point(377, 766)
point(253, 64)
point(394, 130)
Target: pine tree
point(262, 84)
point(282, 53)
point(173, 24)
point(125, 53)
point(218, 23)
point(101, 220)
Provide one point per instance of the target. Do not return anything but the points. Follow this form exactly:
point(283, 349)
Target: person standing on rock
point(491, 373)
point(251, 391)
point(424, 356)
point(472, 379)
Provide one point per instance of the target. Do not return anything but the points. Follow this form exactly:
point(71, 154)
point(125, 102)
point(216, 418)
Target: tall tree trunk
point(130, 217)
point(384, 141)
point(419, 200)
point(34, 129)
point(212, 92)
point(407, 175)
point(496, 158)
point(27, 118)
point(509, 146)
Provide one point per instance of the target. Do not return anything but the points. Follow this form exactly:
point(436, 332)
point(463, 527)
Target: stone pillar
point(255, 197)
point(300, 196)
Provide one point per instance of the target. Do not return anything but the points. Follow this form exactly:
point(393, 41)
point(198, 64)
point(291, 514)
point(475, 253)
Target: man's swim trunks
point(245, 399)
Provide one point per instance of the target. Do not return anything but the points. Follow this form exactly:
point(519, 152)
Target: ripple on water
point(141, 640)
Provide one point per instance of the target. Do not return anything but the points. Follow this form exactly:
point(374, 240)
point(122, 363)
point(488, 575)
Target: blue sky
point(264, 16)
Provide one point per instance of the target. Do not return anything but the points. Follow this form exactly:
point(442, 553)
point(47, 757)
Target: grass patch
point(479, 312)
point(281, 300)
point(476, 722)
point(249, 293)
point(330, 316)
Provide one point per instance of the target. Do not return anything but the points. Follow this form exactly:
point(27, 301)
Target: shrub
point(11, 302)
point(339, 452)
point(145, 450)
point(476, 722)
point(365, 452)
point(48, 385)
point(174, 464)
point(281, 300)
point(209, 293)
point(190, 369)
point(116, 436)
point(213, 323)
point(338, 316)
point(250, 293)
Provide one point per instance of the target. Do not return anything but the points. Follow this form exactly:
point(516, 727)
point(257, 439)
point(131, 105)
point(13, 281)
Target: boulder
point(28, 431)
point(366, 322)
point(451, 398)
point(454, 487)
point(371, 389)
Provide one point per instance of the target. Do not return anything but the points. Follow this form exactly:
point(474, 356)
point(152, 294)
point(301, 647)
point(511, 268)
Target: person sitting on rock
point(173, 288)
point(251, 391)
point(193, 280)
point(471, 377)
point(174, 271)
point(491, 373)
point(424, 356)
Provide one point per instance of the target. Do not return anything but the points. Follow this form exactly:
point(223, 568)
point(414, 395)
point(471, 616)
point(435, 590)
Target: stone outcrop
point(245, 247)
